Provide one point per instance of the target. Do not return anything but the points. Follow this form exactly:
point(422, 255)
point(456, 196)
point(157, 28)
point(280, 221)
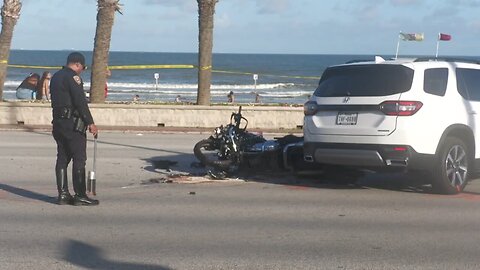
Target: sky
point(258, 26)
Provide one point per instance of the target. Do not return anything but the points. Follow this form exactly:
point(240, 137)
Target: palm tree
point(206, 11)
point(103, 35)
point(10, 14)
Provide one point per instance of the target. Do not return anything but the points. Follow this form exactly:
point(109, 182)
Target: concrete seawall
point(145, 115)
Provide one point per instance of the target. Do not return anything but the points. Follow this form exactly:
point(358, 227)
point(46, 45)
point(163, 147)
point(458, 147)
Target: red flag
point(444, 37)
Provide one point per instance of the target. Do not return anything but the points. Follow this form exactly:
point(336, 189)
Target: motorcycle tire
point(206, 144)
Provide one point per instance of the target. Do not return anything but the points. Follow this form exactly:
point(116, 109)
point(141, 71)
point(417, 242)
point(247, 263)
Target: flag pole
point(398, 45)
point(438, 42)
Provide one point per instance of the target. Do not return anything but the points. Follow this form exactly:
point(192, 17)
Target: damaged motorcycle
point(231, 148)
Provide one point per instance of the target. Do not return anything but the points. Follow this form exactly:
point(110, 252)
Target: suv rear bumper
point(369, 156)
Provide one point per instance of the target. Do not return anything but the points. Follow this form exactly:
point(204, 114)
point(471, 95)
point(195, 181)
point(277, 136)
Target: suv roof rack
point(447, 59)
point(358, 61)
point(377, 59)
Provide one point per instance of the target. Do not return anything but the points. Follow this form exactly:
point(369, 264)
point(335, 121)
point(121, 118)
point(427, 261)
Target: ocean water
point(282, 78)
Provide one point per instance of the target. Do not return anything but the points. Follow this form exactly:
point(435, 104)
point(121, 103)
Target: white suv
point(417, 114)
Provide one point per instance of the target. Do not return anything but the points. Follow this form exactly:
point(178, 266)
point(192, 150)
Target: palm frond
point(11, 8)
point(111, 4)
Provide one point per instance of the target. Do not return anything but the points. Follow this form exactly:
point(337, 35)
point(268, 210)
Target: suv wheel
point(451, 170)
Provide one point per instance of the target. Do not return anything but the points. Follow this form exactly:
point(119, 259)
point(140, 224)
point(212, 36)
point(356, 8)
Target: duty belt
point(62, 113)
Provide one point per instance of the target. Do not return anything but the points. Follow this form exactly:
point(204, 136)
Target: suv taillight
point(400, 108)
point(310, 108)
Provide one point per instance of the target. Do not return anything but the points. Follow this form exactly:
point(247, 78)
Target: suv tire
point(451, 170)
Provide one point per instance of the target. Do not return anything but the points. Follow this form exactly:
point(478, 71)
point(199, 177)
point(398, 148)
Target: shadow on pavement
point(188, 165)
point(337, 178)
point(182, 164)
point(90, 257)
point(28, 194)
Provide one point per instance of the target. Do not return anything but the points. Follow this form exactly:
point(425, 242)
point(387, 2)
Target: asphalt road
point(275, 221)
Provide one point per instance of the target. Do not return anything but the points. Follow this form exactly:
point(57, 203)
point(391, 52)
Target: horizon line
point(242, 53)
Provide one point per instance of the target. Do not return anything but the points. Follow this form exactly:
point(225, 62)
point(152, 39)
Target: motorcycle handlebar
point(237, 118)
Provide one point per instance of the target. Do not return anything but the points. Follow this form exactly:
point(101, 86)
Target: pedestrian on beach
point(27, 89)
point(231, 97)
point(178, 99)
point(71, 119)
point(257, 98)
point(43, 86)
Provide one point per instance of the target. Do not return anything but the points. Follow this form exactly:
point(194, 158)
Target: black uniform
point(69, 103)
point(71, 116)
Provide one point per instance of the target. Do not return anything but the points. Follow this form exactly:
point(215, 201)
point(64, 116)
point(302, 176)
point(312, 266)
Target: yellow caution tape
point(126, 67)
point(152, 67)
point(113, 67)
point(268, 75)
point(40, 67)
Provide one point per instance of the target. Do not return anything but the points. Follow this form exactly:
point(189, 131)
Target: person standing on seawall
point(71, 119)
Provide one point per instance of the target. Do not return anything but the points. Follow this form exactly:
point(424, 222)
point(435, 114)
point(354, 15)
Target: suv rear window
point(364, 80)
point(435, 81)
point(468, 83)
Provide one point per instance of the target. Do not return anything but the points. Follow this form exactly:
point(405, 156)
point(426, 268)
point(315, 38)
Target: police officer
point(71, 119)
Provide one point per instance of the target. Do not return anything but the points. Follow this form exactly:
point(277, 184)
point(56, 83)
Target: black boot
point(64, 196)
point(80, 188)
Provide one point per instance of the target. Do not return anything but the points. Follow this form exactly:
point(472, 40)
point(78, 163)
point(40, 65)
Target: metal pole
point(156, 76)
point(94, 180)
point(91, 182)
point(398, 45)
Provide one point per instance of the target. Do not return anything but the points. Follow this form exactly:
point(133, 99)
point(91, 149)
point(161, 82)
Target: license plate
point(347, 118)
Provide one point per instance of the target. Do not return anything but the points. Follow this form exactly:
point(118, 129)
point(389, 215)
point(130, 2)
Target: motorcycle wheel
point(204, 152)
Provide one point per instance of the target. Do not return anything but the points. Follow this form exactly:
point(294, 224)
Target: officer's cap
point(76, 57)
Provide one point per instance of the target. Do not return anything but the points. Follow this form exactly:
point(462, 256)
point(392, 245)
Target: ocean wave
point(124, 86)
point(149, 86)
point(270, 94)
point(126, 89)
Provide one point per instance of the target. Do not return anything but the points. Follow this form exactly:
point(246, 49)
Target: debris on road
point(156, 181)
